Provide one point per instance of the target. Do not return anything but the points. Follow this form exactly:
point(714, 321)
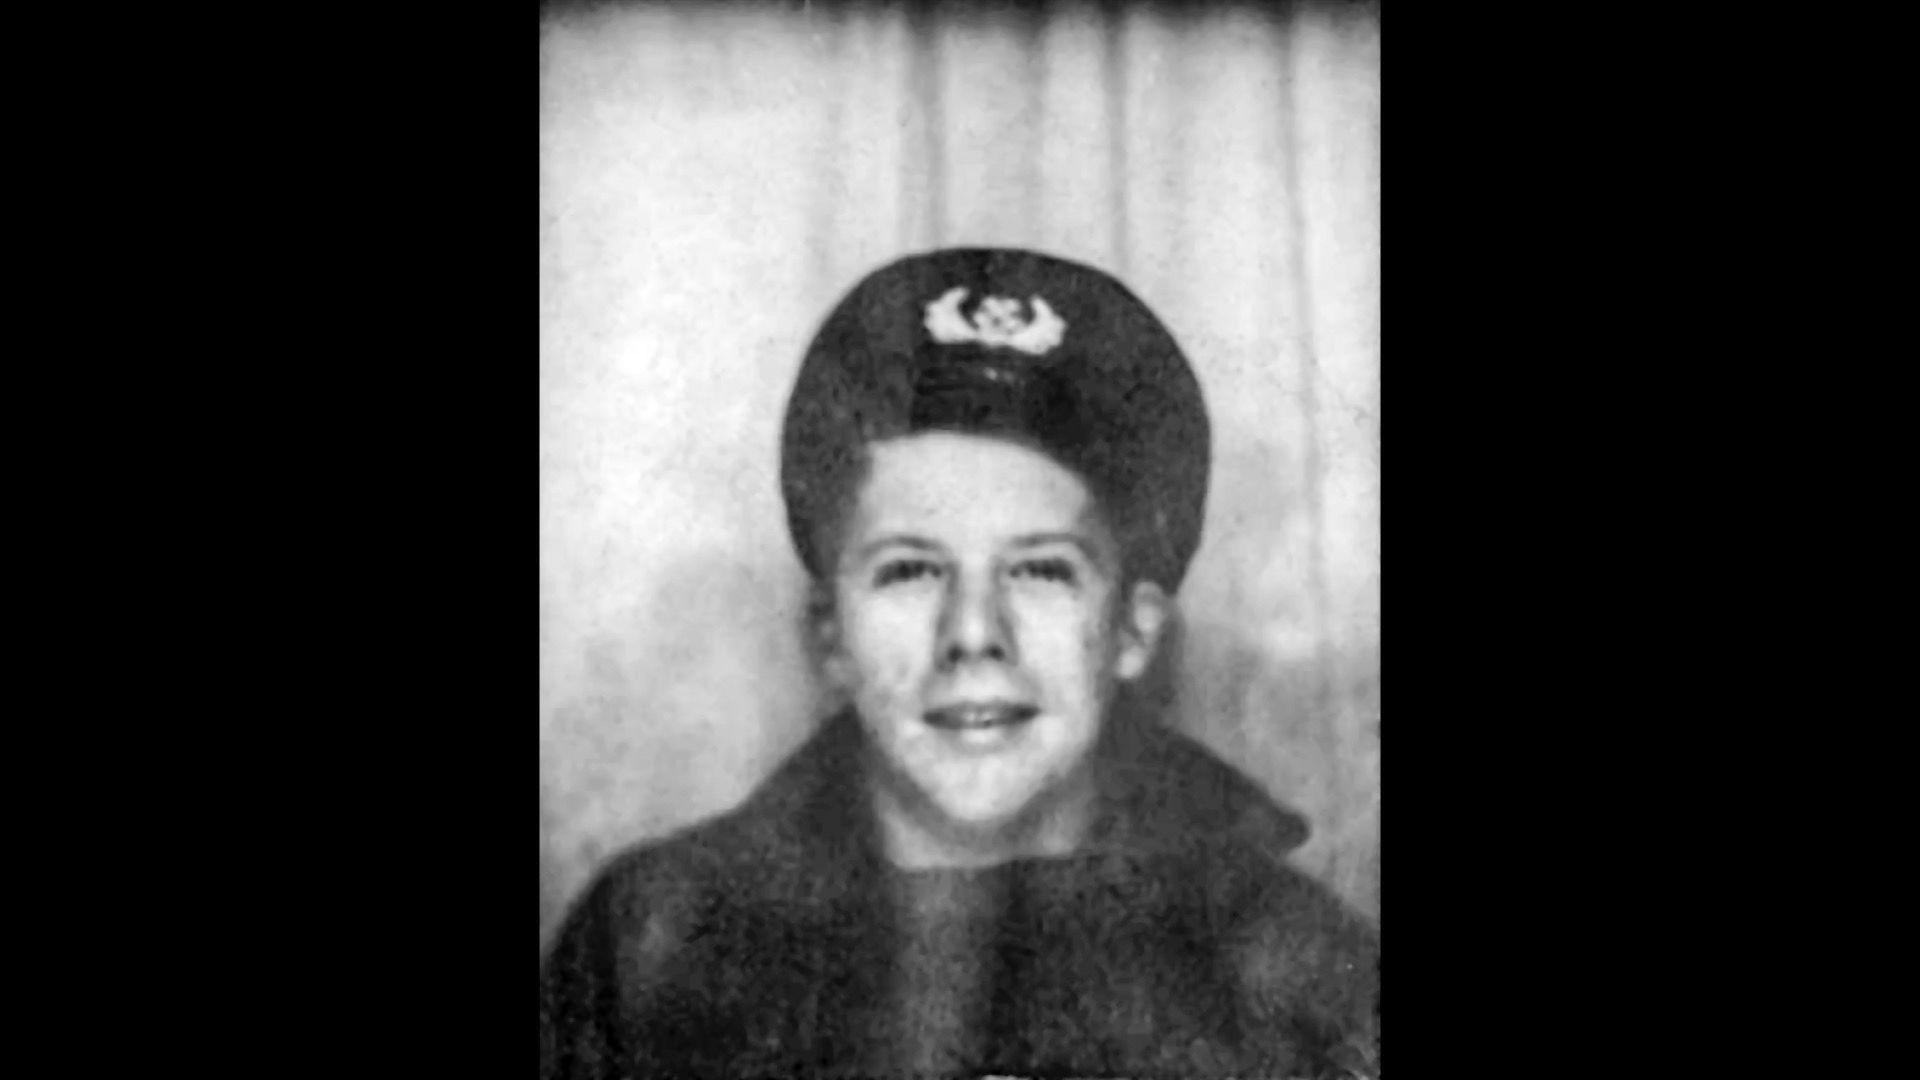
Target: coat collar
point(1162, 792)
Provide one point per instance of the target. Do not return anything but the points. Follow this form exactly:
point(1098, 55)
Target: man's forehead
point(931, 470)
point(973, 488)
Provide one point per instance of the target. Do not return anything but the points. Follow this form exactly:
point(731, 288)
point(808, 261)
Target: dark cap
point(1013, 344)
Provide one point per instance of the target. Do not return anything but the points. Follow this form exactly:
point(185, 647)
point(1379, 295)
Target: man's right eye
point(904, 570)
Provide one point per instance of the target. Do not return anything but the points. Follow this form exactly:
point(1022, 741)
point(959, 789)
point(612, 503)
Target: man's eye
point(901, 570)
point(1055, 570)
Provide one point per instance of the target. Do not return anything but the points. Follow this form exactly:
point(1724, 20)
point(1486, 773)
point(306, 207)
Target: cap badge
point(996, 322)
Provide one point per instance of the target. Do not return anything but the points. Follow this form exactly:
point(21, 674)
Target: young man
point(995, 859)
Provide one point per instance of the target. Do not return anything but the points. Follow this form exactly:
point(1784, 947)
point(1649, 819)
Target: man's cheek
point(1059, 645)
point(888, 667)
point(899, 643)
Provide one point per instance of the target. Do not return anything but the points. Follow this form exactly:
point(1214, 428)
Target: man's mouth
point(980, 717)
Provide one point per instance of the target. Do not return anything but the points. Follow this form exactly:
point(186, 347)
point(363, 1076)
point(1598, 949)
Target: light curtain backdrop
point(713, 178)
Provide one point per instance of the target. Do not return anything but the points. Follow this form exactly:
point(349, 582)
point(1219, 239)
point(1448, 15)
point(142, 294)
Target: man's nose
point(974, 624)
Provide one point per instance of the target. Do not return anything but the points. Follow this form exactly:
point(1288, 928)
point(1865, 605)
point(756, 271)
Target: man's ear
point(823, 632)
point(1143, 617)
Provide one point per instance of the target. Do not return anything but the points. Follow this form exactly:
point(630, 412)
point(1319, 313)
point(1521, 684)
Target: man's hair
point(828, 526)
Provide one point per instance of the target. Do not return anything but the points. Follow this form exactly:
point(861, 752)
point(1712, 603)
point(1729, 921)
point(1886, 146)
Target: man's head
point(981, 621)
point(995, 465)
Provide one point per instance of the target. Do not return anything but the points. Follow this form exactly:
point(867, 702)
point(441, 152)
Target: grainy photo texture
point(959, 540)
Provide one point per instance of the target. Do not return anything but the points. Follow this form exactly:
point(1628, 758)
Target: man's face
point(979, 626)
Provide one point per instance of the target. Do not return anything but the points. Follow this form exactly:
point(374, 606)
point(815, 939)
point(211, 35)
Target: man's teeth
point(979, 716)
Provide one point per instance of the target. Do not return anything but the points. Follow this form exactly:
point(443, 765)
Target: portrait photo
point(960, 550)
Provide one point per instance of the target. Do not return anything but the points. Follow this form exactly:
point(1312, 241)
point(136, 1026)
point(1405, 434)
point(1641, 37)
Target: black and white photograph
point(960, 539)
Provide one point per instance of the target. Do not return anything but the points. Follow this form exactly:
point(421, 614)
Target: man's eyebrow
point(1041, 539)
point(873, 547)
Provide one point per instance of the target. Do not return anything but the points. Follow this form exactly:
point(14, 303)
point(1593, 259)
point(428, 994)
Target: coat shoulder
point(1308, 965)
point(641, 901)
point(622, 944)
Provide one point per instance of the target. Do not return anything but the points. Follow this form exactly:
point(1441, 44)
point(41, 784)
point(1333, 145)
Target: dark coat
point(772, 941)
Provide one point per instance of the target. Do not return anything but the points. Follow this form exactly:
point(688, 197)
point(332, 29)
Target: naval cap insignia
point(996, 322)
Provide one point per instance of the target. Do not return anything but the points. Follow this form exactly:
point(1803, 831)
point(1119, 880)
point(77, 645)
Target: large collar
point(1162, 791)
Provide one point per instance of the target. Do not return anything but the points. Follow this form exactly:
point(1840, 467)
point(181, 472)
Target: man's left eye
point(1056, 570)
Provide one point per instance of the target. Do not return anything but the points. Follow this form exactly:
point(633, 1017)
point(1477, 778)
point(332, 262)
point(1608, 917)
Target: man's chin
point(976, 817)
point(982, 817)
